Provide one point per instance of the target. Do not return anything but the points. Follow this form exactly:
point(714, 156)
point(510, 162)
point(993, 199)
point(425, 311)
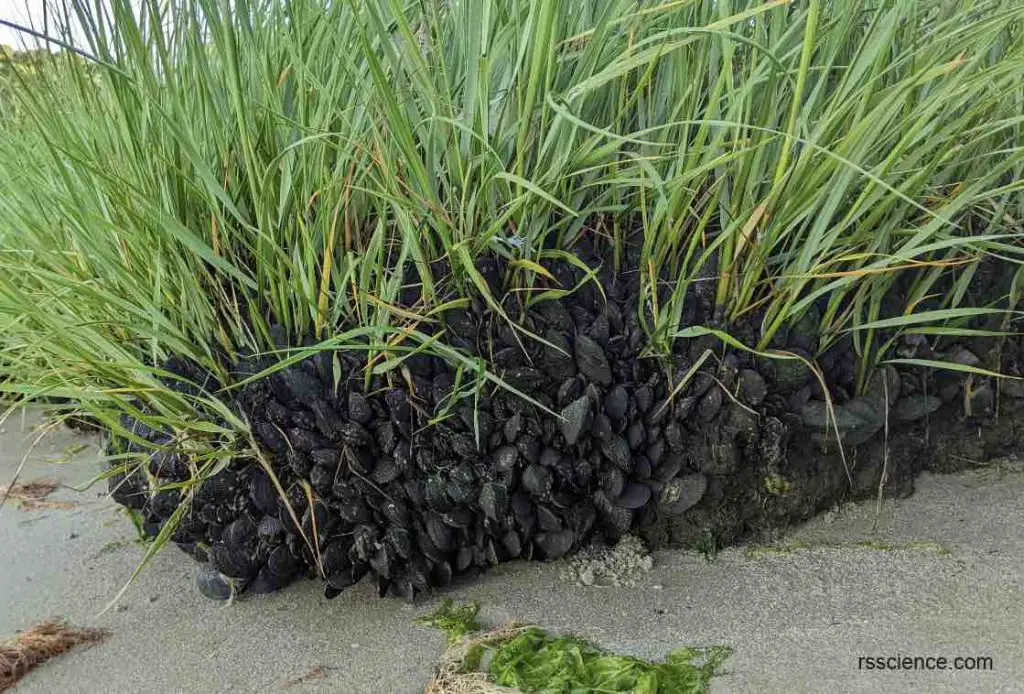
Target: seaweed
point(537, 661)
point(529, 659)
point(457, 621)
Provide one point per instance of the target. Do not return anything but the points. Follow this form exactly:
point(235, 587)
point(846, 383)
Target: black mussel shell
point(547, 521)
point(239, 533)
point(493, 500)
point(232, 562)
point(537, 480)
point(556, 544)
point(359, 410)
point(270, 530)
point(440, 533)
point(616, 450)
point(263, 493)
point(634, 496)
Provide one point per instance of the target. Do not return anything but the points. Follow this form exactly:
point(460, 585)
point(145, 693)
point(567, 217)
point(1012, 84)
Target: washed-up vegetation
point(33, 495)
point(32, 647)
point(409, 289)
point(531, 660)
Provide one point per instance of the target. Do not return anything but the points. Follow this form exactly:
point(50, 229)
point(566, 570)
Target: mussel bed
point(413, 479)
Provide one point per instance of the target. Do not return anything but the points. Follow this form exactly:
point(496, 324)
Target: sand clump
point(623, 564)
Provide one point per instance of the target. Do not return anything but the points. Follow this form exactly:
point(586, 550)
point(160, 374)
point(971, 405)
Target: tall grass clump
point(183, 175)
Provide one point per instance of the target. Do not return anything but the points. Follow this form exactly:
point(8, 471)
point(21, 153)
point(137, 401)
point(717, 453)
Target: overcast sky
point(24, 12)
point(21, 11)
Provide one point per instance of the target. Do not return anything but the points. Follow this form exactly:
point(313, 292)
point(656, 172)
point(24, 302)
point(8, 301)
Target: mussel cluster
point(412, 477)
point(421, 473)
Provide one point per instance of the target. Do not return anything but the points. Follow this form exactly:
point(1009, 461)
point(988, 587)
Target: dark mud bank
point(751, 503)
point(413, 477)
